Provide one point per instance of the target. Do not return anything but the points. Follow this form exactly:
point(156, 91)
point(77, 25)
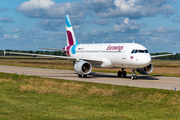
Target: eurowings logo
point(119, 48)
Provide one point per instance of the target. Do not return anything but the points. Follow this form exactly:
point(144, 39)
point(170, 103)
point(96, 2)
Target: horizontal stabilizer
point(51, 49)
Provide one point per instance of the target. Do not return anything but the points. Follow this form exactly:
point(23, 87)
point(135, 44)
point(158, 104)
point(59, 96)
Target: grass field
point(29, 97)
point(166, 68)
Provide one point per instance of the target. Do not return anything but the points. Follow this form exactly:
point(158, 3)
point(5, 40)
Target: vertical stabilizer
point(71, 39)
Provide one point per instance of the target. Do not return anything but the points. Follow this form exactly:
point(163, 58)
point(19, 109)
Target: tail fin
point(71, 39)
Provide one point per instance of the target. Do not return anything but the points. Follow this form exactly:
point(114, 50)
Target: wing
point(52, 49)
point(154, 56)
point(42, 55)
point(92, 60)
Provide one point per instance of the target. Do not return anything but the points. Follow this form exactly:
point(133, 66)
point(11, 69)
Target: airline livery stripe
point(70, 38)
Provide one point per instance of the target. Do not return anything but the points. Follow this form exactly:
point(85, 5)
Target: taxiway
point(159, 82)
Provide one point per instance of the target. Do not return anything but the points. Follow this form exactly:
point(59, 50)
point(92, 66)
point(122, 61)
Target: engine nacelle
point(83, 67)
point(146, 70)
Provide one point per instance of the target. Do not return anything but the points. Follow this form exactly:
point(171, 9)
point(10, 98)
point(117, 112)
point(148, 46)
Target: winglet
point(174, 53)
point(4, 52)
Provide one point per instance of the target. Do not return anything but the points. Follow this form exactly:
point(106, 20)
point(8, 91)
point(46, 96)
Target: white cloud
point(161, 40)
point(155, 39)
point(7, 37)
point(16, 37)
point(102, 8)
point(49, 9)
point(129, 26)
point(101, 22)
point(36, 4)
point(6, 20)
point(77, 27)
point(136, 9)
point(51, 24)
point(17, 30)
point(165, 30)
point(124, 4)
point(176, 19)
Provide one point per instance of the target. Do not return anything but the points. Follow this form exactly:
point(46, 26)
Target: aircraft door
point(100, 52)
point(124, 52)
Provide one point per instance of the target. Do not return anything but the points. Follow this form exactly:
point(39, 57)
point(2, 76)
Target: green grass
point(30, 97)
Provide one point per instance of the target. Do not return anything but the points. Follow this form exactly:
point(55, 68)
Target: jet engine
point(83, 67)
point(146, 70)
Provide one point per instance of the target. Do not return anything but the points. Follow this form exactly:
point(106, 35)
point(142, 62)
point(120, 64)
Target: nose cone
point(146, 60)
point(142, 60)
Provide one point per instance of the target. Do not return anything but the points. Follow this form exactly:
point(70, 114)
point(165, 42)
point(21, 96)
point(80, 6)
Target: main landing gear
point(82, 76)
point(122, 73)
point(134, 76)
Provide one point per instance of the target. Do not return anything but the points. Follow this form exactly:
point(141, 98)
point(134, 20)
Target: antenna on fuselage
point(133, 41)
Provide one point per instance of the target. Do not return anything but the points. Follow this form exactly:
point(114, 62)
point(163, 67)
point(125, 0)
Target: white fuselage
point(113, 54)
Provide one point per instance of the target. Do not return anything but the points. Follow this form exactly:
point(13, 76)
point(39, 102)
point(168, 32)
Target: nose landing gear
point(134, 76)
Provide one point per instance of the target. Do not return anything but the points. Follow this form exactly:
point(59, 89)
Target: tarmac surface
point(160, 82)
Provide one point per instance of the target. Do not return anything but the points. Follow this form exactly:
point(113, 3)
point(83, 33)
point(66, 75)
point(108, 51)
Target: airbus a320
point(106, 55)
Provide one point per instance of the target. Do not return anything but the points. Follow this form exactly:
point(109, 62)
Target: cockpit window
point(146, 51)
point(133, 51)
point(139, 51)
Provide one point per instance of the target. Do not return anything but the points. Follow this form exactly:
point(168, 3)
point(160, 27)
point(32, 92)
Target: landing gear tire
point(134, 77)
point(119, 73)
point(79, 75)
point(124, 73)
point(84, 76)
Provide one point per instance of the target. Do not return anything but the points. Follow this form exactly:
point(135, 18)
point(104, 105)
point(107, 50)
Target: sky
point(28, 24)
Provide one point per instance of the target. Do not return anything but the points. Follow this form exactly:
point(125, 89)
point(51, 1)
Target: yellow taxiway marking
point(160, 81)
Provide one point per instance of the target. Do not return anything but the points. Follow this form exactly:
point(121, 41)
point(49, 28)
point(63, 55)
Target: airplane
point(105, 55)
